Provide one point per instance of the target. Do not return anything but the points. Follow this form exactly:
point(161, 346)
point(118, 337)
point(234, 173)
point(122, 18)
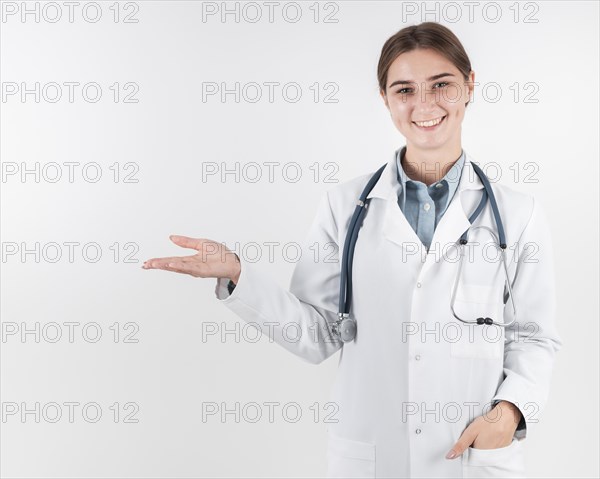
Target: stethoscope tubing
point(345, 296)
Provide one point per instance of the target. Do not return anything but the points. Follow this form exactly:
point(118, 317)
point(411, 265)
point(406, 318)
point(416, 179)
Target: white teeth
point(430, 122)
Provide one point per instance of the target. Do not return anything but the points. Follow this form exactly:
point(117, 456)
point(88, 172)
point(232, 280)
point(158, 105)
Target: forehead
point(419, 64)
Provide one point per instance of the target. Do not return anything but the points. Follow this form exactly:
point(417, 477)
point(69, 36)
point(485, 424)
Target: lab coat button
point(418, 431)
point(418, 285)
point(417, 357)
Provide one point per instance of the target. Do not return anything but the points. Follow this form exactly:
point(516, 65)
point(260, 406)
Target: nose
point(426, 104)
point(428, 96)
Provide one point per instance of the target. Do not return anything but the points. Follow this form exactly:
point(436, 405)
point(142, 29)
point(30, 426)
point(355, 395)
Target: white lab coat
point(415, 377)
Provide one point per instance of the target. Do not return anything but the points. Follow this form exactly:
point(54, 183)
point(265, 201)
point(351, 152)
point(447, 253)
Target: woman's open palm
point(212, 260)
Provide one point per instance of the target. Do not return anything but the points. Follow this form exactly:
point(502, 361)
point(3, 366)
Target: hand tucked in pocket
point(493, 430)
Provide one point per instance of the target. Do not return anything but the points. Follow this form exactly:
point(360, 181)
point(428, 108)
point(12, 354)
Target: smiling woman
point(409, 357)
point(426, 82)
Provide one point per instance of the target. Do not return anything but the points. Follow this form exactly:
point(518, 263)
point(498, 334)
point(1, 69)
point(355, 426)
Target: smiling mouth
point(431, 124)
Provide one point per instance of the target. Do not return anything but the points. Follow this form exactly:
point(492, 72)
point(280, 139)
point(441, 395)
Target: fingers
point(183, 241)
point(159, 263)
point(175, 266)
point(464, 441)
point(203, 245)
point(185, 268)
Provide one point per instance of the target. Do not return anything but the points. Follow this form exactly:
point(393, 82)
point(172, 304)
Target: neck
point(429, 166)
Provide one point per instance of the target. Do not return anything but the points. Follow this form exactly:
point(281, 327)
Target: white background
point(170, 133)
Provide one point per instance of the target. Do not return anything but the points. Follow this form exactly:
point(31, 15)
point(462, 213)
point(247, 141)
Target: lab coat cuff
point(221, 289)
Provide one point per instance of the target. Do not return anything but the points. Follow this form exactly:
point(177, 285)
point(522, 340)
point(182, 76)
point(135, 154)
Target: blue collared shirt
point(422, 205)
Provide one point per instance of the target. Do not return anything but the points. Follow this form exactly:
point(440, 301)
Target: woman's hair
point(425, 35)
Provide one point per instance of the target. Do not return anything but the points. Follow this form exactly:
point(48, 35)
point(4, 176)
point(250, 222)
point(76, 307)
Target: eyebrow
point(434, 77)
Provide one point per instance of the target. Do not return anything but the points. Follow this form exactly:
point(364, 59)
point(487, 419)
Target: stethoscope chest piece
point(344, 328)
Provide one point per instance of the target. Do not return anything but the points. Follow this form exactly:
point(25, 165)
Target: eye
point(403, 90)
point(442, 83)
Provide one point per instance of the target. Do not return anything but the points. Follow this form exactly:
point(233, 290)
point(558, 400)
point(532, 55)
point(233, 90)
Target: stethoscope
point(345, 327)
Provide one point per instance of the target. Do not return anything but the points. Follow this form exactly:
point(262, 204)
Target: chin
point(431, 143)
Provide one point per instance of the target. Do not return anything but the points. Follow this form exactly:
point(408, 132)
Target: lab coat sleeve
point(532, 342)
point(300, 319)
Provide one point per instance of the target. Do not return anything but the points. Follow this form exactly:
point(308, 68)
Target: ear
point(384, 97)
point(471, 85)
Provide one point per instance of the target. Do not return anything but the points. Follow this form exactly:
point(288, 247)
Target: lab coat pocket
point(349, 458)
point(502, 462)
point(476, 340)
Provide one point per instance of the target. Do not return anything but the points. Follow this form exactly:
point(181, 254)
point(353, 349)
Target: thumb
point(464, 441)
point(186, 241)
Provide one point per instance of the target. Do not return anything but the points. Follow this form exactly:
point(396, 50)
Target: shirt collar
point(452, 177)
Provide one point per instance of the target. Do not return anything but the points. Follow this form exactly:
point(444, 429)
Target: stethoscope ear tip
point(485, 321)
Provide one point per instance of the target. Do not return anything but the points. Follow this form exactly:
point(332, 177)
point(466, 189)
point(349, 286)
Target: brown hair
point(425, 35)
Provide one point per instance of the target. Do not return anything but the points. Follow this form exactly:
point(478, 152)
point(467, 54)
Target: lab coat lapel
point(396, 227)
point(453, 223)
